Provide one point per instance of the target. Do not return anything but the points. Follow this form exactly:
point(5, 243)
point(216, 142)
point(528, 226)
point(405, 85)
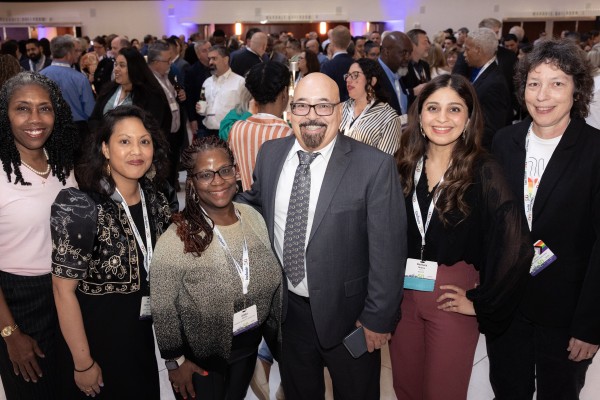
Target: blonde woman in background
point(437, 61)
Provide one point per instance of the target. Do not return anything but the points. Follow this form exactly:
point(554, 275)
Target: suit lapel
point(273, 174)
point(559, 163)
point(485, 74)
point(338, 163)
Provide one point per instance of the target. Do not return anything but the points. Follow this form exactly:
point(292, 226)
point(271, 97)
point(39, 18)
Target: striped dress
point(247, 136)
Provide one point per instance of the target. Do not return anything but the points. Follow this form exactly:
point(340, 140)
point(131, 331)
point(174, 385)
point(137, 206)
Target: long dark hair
point(372, 69)
point(413, 146)
point(61, 142)
point(194, 227)
point(312, 62)
point(90, 172)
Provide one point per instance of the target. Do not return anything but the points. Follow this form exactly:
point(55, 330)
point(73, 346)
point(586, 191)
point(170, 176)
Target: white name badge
point(145, 311)
point(245, 320)
point(543, 257)
point(420, 275)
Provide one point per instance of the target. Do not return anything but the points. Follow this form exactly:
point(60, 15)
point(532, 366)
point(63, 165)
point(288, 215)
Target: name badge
point(145, 311)
point(245, 320)
point(420, 275)
point(543, 257)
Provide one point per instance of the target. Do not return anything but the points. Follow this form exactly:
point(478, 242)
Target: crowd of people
point(339, 196)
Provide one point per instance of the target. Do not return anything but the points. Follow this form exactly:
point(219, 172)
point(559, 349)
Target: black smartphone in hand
point(356, 343)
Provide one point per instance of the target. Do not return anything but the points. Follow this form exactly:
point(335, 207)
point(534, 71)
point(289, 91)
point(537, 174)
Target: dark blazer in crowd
point(103, 74)
point(335, 69)
point(393, 97)
point(411, 79)
point(243, 61)
point(194, 78)
point(565, 217)
point(27, 67)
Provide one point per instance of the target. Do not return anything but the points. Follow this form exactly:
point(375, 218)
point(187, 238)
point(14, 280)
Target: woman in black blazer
point(555, 333)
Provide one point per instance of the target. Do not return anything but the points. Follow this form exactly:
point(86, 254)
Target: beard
point(35, 57)
point(402, 71)
point(213, 70)
point(312, 140)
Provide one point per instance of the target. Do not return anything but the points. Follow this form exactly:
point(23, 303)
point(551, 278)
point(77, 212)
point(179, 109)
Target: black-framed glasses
point(353, 75)
point(321, 109)
point(207, 176)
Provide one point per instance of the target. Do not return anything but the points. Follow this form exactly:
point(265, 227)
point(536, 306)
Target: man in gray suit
point(336, 219)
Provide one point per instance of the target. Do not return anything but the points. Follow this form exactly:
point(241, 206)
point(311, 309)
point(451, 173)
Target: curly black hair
point(194, 227)
point(570, 59)
point(372, 69)
point(90, 172)
point(60, 144)
point(265, 81)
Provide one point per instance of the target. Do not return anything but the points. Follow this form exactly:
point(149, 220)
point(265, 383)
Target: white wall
point(136, 18)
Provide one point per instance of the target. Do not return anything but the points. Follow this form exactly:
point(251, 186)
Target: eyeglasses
point(354, 75)
point(227, 172)
point(321, 109)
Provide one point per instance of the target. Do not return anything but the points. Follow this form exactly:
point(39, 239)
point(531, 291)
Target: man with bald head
point(394, 57)
point(251, 55)
point(335, 214)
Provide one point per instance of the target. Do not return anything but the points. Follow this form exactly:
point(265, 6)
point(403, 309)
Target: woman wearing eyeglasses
point(215, 281)
point(366, 115)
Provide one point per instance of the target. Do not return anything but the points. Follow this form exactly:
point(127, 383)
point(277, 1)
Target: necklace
point(35, 171)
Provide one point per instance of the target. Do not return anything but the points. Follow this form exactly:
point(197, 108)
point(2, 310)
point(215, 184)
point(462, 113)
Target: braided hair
point(60, 144)
point(194, 226)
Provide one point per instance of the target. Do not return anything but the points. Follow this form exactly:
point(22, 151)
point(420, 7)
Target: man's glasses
point(321, 109)
point(227, 172)
point(354, 75)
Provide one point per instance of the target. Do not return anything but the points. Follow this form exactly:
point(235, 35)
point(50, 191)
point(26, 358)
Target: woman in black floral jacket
point(102, 240)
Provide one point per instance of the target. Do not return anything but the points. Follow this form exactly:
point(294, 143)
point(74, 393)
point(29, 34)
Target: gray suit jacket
point(356, 254)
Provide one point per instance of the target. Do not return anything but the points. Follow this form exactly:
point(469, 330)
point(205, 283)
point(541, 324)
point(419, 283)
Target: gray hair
point(61, 46)
point(490, 23)
point(594, 56)
point(199, 43)
point(485, 39)
point(155, 49)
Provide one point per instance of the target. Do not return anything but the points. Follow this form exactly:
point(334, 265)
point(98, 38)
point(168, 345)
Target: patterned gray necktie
point(297, 218)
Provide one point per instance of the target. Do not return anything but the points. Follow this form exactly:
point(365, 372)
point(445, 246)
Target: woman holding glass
point(102, 240)
point(468, 245)
point(216, 284)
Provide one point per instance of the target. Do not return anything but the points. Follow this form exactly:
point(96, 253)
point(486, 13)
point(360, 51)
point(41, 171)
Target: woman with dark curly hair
point(9, 67)
point(136, 85)
point(215, 281)
point(468, 244)
point(36, 149)
point(102, 240)
point(552, 163)
point(366, 115)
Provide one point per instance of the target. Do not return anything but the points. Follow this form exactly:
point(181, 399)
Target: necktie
point(297, 218)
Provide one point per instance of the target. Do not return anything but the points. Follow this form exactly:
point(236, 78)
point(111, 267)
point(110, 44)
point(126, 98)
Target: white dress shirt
point(223, 93)
point(282, 200)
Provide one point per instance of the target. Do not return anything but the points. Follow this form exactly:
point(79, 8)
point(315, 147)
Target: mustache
point(312, 122)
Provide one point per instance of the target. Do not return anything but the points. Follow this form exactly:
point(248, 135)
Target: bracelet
point(87, 369)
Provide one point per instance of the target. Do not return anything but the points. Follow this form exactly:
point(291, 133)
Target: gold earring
point(107, 169)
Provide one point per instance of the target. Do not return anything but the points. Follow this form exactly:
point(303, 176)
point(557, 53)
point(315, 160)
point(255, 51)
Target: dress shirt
point(282, 200)
point(171, 94)
point(395, 80)
point(222, 94)
point(75, 88)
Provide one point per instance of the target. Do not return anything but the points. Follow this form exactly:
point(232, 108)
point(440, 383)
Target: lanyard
point(417, 209)
point(147, 252)
point(529, 188)
point(352, 123)
point(244, 270)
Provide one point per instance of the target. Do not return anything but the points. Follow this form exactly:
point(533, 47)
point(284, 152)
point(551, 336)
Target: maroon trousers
point(432, 350)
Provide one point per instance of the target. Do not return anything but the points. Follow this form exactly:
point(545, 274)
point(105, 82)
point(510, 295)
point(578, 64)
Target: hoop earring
point(421, 128)
point(151, 173)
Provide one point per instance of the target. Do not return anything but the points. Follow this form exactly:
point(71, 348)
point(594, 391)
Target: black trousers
point(303, 360)
point(527, 352)
point(31, 303)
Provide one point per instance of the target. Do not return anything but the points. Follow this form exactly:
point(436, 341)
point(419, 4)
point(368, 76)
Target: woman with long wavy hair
point(213, 270)
point(468, 245)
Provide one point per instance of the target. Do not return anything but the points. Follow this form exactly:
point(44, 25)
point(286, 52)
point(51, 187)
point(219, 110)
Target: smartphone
point(356, 343)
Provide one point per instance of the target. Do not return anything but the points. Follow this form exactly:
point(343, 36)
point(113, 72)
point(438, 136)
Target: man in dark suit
point(36, 60)
point(349, 268)
point(194, 78)
point(394, 59)
point(418, 69)
point(250, 55)
point(490, 85)
point(341, 61)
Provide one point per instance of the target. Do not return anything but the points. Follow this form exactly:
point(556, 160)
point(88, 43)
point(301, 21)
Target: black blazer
point(243, 61)
point(194, 79)
point(393, 97)
point(335, 69)
point(495, 102)
point(566, 216)
point(411, 80)
point(356, 252)
point(25, 63)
